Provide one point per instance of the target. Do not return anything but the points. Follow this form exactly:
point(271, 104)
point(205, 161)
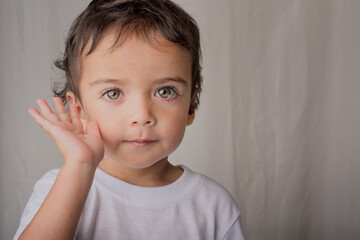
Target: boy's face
point(140, 97)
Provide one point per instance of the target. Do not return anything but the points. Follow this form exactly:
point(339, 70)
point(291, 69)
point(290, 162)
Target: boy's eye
point(166, 92)
point(113, 94)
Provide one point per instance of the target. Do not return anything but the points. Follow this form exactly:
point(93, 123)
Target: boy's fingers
point(92, 128)
point(40, 120)
point(60, 109)
point(75, 117)
point(46, 110)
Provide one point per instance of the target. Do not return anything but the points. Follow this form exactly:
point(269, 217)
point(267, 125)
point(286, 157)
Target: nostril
point(134, 122)
point(147, 122)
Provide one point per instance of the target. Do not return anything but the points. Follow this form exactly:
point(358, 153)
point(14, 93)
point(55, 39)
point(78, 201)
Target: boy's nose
point(142, 116)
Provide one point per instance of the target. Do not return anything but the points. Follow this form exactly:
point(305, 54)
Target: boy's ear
point(191, 116)
point(71, 98)
point(191, 113)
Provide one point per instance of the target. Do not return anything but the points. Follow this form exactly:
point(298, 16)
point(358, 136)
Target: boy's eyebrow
point(161, 80)
point(175, 79)
point(106, 80)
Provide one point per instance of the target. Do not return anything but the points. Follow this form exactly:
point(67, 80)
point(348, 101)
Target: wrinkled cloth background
point(279, 119)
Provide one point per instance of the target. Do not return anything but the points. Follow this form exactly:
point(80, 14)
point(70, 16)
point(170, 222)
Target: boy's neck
point(160, 174)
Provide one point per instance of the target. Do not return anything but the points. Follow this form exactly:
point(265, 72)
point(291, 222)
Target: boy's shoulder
point(40, 191)
point(214, 195)
point(211, 186)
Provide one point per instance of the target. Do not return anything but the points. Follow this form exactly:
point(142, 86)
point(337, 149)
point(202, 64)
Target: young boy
point(133, 83)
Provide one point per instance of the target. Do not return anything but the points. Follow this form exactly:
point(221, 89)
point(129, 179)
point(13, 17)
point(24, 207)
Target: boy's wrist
point(80, 167)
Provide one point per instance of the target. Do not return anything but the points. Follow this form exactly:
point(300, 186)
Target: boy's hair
point(140, 17)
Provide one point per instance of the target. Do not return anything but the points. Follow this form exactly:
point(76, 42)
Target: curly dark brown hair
point(140, 17)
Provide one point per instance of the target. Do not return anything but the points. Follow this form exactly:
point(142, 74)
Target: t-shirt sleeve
point(40, 191)
point(235, 232)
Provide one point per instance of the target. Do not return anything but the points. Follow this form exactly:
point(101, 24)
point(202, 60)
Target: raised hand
point(75, 145)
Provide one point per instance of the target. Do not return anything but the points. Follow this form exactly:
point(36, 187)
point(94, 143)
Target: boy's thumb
point(93, 129)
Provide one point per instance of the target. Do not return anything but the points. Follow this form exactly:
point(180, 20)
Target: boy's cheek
point(111, 135)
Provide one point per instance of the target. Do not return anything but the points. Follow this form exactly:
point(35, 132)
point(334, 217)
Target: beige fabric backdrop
point(279, 117)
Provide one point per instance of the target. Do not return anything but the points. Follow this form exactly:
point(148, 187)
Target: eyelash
point(171, 87)
point(103, 95)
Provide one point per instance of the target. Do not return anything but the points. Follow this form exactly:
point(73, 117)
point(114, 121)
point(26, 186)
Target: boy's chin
point(133, 163)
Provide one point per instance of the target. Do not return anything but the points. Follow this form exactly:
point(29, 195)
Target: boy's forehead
point(155, 50)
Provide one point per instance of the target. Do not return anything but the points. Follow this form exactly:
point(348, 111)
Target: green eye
point(112, 94)
point(165, 92)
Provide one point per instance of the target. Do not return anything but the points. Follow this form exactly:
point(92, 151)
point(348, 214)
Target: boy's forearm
point(60, 212)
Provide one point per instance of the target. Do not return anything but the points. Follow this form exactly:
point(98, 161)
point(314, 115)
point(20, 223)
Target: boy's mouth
point(140, 142)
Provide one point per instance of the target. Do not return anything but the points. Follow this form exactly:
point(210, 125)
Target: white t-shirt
point(192, 207)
